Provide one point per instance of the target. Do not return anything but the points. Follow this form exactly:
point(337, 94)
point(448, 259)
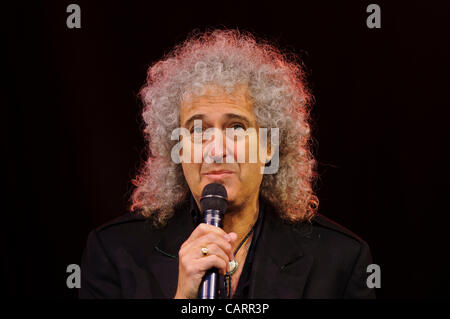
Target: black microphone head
point(214, 196)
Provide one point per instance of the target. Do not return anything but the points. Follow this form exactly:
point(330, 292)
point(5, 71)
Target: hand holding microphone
point(208, 248)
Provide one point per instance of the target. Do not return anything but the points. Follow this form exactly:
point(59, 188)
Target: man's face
point(216, 109)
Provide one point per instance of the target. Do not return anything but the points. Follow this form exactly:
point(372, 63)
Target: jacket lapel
point(280, 267)
point(164, 260)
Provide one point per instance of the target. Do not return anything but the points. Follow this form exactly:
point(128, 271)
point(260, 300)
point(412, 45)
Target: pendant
point(232, 267)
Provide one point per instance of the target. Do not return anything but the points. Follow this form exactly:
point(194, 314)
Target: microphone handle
point(208, 287)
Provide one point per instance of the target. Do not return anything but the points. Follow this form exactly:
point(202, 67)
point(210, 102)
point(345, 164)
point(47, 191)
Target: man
point(206, 104)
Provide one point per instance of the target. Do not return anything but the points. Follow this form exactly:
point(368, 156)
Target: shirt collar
point(194, 211)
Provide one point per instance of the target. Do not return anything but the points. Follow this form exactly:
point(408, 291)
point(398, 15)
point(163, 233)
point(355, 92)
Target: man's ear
point(272, 152)
point(269, 152)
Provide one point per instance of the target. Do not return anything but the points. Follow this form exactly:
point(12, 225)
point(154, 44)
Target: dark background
point(73, 134)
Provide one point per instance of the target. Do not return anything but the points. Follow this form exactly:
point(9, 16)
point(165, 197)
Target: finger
point(203, 229)
point(211, 261)
point(214, 249)
point(211, 238)
point(193, 248)
point(232, 236)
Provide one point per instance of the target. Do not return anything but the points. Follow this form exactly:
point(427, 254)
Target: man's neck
point(241, 219)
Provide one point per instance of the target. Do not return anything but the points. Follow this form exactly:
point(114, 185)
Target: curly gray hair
point(281, 100)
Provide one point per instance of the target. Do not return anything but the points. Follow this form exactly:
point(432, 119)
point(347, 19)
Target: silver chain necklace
point(233, 265)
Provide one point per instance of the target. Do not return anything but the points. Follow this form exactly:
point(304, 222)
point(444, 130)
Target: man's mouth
point(219, 173)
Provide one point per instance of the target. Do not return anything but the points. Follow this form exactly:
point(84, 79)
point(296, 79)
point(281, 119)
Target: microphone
point(213, 204)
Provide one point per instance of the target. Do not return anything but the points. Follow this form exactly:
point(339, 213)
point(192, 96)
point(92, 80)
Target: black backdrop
point(73, 134)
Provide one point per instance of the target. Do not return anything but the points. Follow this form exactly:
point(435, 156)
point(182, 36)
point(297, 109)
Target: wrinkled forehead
point(216, 101)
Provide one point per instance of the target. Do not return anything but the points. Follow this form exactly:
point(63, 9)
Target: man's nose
point(214, 150)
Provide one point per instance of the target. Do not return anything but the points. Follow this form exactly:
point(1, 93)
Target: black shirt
point(242, 289)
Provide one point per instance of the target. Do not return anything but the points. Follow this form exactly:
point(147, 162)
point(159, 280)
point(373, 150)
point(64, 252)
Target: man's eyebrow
point(228, 116)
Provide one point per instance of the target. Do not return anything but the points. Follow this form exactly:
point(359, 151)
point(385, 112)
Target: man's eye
point(197, 129)
point(238, 126)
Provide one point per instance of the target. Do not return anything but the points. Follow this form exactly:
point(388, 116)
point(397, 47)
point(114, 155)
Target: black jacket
point(127, 258)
